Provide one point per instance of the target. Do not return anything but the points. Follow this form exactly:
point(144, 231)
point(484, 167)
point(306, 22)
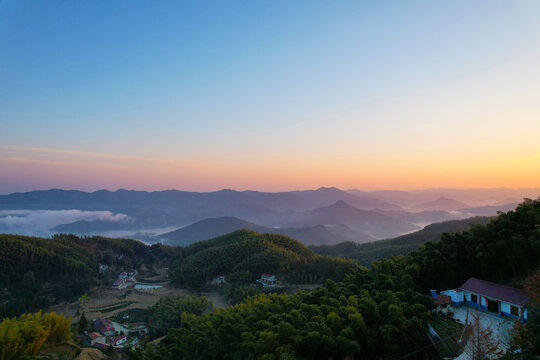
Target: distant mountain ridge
point(372, 222)
point(214, 227)
point(442, 203)
point(368, 252)
point(303, 199)
point(174, 207)
point(474, 197)
point(377, 214)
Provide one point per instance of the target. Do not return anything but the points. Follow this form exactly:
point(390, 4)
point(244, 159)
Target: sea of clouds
point(40, 222)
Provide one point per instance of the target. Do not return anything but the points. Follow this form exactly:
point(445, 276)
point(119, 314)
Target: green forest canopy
point(256, 253)
point(38, 272)
point(373, 313)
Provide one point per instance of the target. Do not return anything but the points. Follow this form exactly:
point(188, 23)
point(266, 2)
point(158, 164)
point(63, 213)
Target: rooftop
point(120, 337)
point(497, 291)
point(94, 335)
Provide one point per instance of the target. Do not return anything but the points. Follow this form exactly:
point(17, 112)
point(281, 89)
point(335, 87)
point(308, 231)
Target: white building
point(119, 340)
point(491, 297)
point(267, 280)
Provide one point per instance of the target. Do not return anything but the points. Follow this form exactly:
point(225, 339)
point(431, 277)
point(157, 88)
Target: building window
point(514, 310)
point(474, 299)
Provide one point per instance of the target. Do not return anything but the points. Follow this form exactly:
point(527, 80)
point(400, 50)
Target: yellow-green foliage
point(25, 335)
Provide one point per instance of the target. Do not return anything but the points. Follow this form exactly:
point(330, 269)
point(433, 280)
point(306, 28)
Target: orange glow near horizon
point(47, 168)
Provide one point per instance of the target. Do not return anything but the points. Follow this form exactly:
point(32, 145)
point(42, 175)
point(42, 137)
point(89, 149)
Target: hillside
point(369, 252)
point(208, 229)
point(37, 272)
point(324, 235)
point(489, 210)
point(342, 212)
point(255, 253)
point(214, 227)
point(376, 313)
point(174, 207)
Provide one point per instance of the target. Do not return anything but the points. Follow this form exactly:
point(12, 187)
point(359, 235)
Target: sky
point(269, 95)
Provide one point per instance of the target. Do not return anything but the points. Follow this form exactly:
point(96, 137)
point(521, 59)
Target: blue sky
point(307, 87)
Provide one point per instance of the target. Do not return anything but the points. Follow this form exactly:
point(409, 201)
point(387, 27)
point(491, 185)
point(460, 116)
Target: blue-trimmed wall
point(484, 308)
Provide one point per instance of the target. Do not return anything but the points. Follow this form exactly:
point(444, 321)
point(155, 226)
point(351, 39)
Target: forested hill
point(366, 253)
point(255, 253)
point(376, 313)
point(37, 272)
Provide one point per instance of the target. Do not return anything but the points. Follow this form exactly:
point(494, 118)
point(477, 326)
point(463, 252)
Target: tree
point(526, 337)
point(24, 336)
point(83, 324)
point(482, 342)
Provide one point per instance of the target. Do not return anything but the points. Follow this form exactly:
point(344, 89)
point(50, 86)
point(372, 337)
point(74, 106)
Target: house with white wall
point(491, 297)
point(267, 280)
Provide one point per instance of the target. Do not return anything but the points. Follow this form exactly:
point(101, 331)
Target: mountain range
point(314, 216)
point(442, 203)
point(368, 252)
point(214, 227)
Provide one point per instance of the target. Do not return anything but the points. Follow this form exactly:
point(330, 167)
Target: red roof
point(497, 291)
point(94, 335)
point(114, 340)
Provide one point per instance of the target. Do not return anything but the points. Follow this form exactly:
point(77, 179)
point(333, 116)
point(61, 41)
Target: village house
point(490, 297)
point(118, 340)
point(103, 268)
point(93, 337)
point(104, 326)
point(117, 283)
point(267, 280)
point(124, 280)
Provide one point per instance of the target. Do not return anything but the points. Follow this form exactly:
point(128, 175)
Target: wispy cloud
point(21, 150)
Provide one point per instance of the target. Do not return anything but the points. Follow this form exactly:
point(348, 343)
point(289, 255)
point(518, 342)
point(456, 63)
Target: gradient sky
point(269, 95)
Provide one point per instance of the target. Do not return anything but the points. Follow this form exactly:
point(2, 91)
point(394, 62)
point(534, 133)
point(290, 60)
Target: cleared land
point(106, 302)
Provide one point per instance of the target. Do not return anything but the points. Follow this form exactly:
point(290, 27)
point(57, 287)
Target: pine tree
point(83, 324)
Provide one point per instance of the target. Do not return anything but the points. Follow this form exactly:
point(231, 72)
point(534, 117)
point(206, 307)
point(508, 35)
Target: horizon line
point(272, 192)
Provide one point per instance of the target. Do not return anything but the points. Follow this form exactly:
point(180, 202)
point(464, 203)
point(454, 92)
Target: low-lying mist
point(41, 222)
